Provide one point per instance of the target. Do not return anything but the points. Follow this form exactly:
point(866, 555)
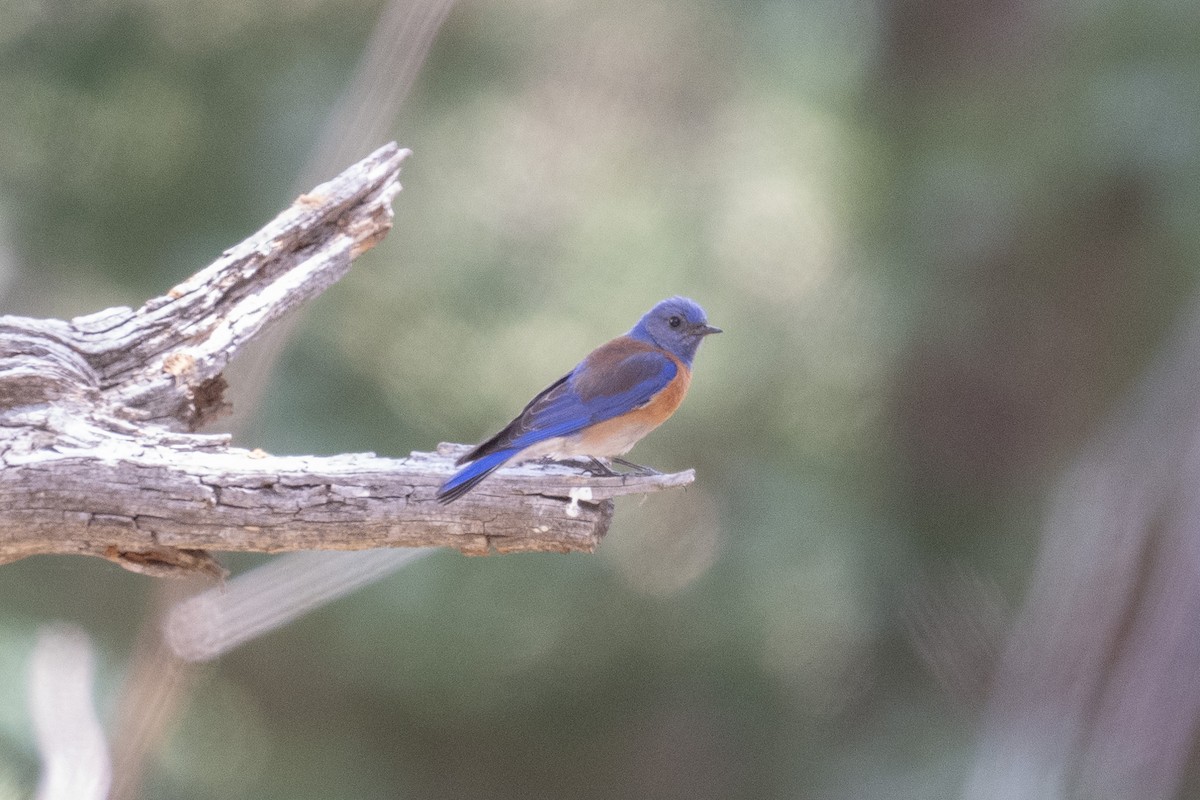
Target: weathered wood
point(98, 454)
point(144, 505)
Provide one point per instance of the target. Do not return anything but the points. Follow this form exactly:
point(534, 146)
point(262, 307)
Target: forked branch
point(99, 455)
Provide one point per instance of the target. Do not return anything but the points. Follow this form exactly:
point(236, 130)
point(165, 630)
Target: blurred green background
point(942, 239)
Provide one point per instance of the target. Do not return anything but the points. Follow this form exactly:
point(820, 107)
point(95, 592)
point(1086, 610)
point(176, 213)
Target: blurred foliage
point(942, 239)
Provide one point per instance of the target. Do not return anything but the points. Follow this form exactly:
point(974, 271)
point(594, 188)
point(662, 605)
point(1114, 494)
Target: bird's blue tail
point(469, 476)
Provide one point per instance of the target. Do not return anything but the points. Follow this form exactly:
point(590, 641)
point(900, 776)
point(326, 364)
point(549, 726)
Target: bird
point(620, 392)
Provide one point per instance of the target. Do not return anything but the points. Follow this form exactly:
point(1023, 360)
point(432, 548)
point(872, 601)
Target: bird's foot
point(598, 468)
point(636, 469)
point(589, 464)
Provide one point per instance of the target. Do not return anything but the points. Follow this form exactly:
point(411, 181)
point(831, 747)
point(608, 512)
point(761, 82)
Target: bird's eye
point(674, 322)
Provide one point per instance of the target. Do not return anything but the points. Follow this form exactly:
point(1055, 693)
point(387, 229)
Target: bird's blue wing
point(595, 392)
point(616, 378)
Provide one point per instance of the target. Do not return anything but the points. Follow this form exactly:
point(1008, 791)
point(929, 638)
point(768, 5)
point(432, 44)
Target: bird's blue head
point(677, 325)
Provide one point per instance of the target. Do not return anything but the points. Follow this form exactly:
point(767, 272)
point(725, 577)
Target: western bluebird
point(623, 390)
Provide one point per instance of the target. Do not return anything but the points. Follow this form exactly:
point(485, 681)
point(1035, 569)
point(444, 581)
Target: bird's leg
point(589, 464)
point(601, 470)
point(597, 468)
point(635, 469)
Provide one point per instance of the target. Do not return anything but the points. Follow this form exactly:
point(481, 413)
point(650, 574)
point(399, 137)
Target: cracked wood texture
point(99, 454)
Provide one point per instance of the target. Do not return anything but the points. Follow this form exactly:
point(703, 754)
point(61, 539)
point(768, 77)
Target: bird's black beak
point(705, 330)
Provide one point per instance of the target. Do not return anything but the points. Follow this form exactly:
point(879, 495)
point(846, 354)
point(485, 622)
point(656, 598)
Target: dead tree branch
point(98, 454)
